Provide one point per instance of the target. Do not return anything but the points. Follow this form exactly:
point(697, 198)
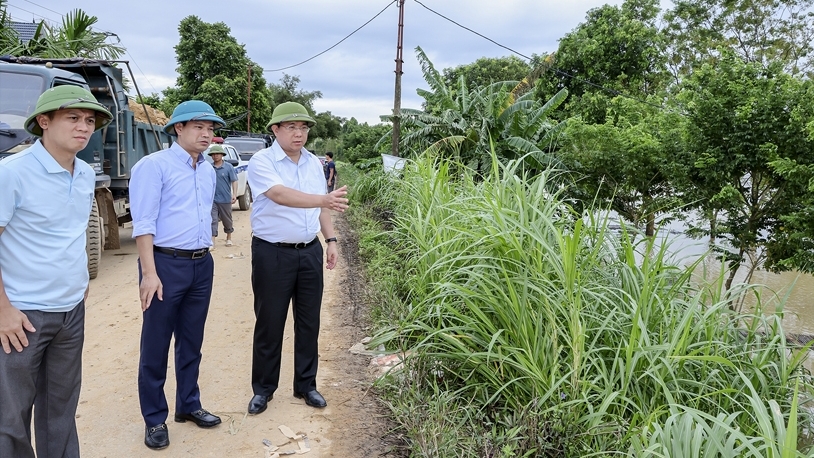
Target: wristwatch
point(330, 239)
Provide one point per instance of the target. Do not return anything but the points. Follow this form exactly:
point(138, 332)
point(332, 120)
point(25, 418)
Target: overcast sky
point(356, 77)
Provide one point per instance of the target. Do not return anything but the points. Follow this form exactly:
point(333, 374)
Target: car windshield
point(18, 98)
point(246, 146)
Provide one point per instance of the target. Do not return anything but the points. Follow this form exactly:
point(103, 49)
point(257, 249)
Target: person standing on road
point(225, 194)
point(290, 203)
point(330, 170)
point(171, 196)
point(46, 197)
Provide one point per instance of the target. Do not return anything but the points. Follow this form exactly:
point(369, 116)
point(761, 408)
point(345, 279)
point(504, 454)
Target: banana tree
point(468, 123)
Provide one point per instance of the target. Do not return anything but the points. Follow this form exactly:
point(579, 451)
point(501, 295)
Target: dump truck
point(111, 151)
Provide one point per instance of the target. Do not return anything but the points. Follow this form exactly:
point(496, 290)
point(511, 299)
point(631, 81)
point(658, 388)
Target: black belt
point(192, 254)
point(293, 245)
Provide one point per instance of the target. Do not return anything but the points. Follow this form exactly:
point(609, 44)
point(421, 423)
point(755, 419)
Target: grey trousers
point(46, 375)
point(224, 212)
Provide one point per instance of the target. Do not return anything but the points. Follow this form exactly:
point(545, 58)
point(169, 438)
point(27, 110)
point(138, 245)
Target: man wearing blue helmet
point(171, 195)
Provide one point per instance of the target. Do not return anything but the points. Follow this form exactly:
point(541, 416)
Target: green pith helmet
point(67, 96)
point(193, 110)
point(290, 111)
point(216, 149)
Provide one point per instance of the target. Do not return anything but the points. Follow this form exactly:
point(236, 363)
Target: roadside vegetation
point(532, 326)
point(535, 330)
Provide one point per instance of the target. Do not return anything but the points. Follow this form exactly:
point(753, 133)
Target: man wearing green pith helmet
point(46, 196)
point(290, 206)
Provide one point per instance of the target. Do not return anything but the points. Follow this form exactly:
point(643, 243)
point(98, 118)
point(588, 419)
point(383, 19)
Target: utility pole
point(397, 98)
point(249, 103)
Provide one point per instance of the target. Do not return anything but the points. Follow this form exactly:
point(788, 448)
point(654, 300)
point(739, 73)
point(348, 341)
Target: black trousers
point(280, 276)
point(182, 314)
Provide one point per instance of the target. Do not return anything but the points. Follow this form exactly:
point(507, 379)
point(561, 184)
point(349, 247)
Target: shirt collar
point(278, 154)
point(51, 165)
point(184, 156)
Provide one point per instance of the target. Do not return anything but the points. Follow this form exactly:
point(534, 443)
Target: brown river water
point(795, 288)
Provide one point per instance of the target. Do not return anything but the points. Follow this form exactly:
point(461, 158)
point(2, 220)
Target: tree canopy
point(761, 31)
point(617, 50)
point(743, 120)
point(214, 67)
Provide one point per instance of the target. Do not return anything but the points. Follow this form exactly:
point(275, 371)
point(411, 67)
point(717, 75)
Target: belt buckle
point(299, 245)
point(199, 254)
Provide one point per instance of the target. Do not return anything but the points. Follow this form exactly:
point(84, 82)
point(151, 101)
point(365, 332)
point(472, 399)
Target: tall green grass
point(544, 333)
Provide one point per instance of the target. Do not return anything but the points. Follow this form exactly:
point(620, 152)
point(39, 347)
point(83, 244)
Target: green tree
point(359, 140)
point(287, 90)
point(153, 100)
point(328, 126)
point(626, 163)
point(618, 49)
point(760, 31)
point(745, 120)
point(214, 67)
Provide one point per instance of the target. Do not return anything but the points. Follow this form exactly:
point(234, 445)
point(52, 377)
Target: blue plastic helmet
point(193, 110)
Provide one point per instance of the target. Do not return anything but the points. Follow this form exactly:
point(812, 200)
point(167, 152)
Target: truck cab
point(112, 151)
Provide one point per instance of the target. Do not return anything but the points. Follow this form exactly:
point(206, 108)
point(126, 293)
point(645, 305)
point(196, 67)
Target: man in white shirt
point(290, 207)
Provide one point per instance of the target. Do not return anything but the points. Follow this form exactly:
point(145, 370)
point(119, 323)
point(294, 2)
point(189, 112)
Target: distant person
point(171, 195)
point(330, 171)
point(46, 196)
point(225, 194)
point(288, 187)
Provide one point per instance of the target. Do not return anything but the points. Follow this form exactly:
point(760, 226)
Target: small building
point(25, 30)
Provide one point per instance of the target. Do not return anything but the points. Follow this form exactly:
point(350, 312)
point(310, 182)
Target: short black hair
point(330, 154)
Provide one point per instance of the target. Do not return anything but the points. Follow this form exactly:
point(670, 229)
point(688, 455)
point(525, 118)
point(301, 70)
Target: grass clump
point(533, 330)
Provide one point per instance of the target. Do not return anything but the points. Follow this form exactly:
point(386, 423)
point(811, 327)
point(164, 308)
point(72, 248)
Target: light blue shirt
point(44, 210)
point(273, 222)
point(172, 200)
point(226, 175)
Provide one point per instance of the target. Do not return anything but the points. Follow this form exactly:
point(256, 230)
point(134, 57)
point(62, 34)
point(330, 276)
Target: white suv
point(244, 193)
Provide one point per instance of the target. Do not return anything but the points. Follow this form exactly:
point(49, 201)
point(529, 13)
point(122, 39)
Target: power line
point(106, 32)
point(548, 66)
point(33, 13)
point(337, 43)
point(43, 7)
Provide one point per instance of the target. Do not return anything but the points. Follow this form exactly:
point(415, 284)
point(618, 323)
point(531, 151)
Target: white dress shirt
point(273, 222)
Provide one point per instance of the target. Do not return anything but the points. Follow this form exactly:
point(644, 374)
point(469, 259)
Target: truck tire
point(93, 237)
point(245, 201)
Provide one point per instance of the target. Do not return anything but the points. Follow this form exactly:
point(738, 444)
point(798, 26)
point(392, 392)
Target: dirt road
point(108, 417)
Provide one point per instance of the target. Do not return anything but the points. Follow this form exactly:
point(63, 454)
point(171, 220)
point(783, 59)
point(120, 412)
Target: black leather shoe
point(312, 398)
point(157, 437)
point(259, 403)
point(200, 417)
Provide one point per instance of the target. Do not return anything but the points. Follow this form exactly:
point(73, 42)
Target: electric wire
point(107, 32)
point(547, 66)
point(33, 13)
point(43, 7)
point(335, 44)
